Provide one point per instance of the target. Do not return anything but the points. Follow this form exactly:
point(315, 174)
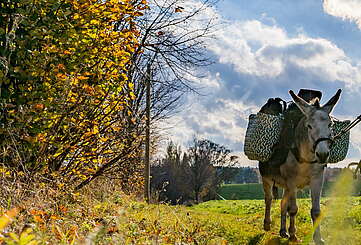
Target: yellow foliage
point(79, 86)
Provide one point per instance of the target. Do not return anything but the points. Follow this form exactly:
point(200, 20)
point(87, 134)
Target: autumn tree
point(64, 90)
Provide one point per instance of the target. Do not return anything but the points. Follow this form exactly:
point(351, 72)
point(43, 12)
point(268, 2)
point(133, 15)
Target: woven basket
point(339, 148)
point(263, 132)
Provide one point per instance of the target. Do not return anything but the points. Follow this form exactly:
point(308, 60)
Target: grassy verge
point(110, 217)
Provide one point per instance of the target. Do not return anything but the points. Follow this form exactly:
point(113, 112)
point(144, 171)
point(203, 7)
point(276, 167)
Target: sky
point(265, 48)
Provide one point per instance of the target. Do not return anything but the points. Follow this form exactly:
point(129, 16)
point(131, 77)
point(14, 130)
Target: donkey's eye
point(309, 126)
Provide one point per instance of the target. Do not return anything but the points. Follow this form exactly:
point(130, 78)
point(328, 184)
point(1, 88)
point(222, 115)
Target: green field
point(255, 191)
point(241, 221)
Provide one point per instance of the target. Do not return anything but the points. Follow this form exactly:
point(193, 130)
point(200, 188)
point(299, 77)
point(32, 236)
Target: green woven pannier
point(263, 132)
point(339, 148)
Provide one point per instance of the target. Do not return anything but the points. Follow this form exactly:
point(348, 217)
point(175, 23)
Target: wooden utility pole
point(147, 138)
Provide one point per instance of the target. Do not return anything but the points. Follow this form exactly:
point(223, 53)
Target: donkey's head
point(318, 123)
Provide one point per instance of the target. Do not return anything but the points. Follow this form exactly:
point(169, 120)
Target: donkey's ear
point(332, 102)
point(301, 103)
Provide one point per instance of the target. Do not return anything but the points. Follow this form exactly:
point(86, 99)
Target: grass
point(96, 216)
point(118, 219)
point(248, 221)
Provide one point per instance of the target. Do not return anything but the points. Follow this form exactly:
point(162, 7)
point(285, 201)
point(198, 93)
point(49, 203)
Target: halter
point(322, 139)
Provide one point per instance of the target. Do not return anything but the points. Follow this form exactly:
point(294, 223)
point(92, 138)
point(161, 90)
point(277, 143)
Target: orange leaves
point(38, 219)
point(41, 137)
point(88, 89)
point(88, 134)
point(179, 9)
point(61, 76)
point(138, 13)
point(82, 77)
point(40, 216)
point(116, 128)
point(63, 209)
point(39, 106)
point(61, 67)
point(6, 218)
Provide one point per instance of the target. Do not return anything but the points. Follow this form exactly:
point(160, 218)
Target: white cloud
point(254, 48)
point(345, 9)
point(212, 116)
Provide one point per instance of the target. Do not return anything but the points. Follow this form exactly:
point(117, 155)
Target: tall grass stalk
point(339, 227)
point(334, 215)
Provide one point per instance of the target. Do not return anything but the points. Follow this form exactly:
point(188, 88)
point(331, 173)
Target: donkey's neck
point(302, 143)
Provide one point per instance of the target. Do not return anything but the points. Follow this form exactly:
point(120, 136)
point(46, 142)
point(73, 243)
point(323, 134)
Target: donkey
point(304, 165)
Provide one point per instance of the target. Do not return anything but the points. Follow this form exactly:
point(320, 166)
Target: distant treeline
point(242, 175)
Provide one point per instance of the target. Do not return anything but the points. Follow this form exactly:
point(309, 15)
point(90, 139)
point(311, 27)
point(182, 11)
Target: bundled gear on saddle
point(292, 115)
point(270, 132)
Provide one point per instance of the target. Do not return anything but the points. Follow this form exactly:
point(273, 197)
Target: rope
point(221, 197)
point(347, 128)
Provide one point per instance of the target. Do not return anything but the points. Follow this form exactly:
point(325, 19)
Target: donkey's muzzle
point(322, 156)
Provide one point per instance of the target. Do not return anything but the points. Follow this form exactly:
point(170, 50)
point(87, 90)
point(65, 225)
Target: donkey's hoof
point(319, 242)
point(283, 234)
point(267, 227)
point(293, 238)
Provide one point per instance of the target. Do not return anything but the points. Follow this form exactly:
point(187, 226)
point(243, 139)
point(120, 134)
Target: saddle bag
point(340, 147)
point(263, 130)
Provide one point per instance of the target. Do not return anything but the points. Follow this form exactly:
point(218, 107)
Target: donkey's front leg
point(316, 188)
point(292, 211)
point(284, 207)
point(267, 187)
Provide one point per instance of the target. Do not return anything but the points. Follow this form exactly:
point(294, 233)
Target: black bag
point(274, 106)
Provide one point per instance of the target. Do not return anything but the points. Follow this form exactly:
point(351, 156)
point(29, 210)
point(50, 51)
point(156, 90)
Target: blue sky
point(293, 16)
point(265, 48)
